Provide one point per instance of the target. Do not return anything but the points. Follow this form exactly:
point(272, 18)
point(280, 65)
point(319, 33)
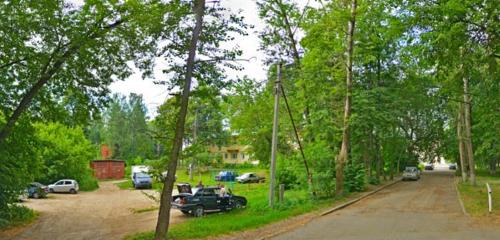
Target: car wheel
point(198, 211)
point(51, 190)
point(238, 205)
point(72, 191)
point(185, 212)
point(36, 196)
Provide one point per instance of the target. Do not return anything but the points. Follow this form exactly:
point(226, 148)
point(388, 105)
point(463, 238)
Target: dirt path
point(102, 214)
point(424, 209)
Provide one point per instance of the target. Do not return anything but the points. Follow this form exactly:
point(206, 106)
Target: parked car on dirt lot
point(64, 185)
point(429, 166)
point(37, 190)
point(250, 178)
point(411, 173)
point(226, 176)
point(141, 177)
point(452, 166)
point(196, 201)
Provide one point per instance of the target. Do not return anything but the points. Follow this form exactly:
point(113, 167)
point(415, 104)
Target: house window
point(235, 155)
point(242, 156)
point(225, 155)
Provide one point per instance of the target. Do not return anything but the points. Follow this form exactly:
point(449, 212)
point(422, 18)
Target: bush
point(66, 154)
point(374, 180)
point(354, 177)
point(321, 159)
point(15, 215)
point(88, 183)
point(287, 177)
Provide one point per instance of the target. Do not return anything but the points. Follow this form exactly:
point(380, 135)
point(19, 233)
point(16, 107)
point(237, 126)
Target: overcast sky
point(154, 95)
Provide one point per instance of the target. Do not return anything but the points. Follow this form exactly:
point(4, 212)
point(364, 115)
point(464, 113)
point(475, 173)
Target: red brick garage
point(108, 169)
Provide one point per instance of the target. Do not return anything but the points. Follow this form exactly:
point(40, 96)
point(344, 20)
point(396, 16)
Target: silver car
point(64, 185)
point(411, 173)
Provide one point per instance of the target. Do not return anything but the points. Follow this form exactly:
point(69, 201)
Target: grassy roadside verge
point(255, 215)
point(475, 198)
point(15, 216)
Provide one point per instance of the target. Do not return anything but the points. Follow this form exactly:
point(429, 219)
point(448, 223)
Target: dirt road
point(102, 214)
point(424, 209)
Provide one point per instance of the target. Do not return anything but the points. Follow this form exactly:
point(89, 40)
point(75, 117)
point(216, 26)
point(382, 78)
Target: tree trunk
point(463, 167)
point(467, 129)
point(493, 166)
point(366, 159)
point(168, 184)
point(343, 155)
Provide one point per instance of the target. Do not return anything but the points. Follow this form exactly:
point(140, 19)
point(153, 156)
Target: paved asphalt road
point(425, 209)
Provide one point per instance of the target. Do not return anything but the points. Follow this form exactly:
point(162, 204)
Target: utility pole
point(274, 146)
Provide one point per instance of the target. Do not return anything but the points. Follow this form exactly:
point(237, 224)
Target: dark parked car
point(250, 178)
point(226, 176)
point(196, 201)
point(429, 166)
point(37, 190)
point(452, 166)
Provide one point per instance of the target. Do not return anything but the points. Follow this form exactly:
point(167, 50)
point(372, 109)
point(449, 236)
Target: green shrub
point(15, 215)
point(286, 176)
point(88, 183)
point(373, 180)
point(354, 178)
point(66, 154)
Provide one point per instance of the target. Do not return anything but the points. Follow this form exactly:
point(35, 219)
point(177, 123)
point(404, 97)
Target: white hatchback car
point(64, 185)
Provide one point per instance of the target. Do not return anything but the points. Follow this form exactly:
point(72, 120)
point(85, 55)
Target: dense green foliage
point(65, 153)
point(16, 215)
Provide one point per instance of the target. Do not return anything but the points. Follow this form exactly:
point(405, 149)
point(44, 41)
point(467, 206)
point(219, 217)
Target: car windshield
point(142, 175)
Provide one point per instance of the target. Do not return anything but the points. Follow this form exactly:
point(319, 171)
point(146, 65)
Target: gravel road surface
point(102, 214)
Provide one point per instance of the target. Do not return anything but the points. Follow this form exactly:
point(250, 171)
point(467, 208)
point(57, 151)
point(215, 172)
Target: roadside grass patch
point(475, 198)
point(16, 215)
point(256, 214)
point(142, 210)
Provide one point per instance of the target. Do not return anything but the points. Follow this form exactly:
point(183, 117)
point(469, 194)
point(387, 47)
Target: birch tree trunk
point(463, 165)
point(166, 195)
point(343, 155)
point(467, 129)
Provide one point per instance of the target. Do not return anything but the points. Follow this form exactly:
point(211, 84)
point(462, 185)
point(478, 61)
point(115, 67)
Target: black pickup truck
point(196, 201)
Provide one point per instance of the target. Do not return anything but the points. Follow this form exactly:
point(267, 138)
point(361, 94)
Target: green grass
point(256, 214)
point(142, 210)
point(16, 215)
point(475, 198)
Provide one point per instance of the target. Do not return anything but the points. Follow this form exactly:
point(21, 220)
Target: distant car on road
point(37, 190)
point(64, 185)
point(196, 201)
point(452, 166)
point(250, 178)
point(411, 173)
point(429, 166)
point(226, 176)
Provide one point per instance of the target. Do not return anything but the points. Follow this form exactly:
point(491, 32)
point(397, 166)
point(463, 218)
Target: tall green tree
point(209, 27)
point(53, 49)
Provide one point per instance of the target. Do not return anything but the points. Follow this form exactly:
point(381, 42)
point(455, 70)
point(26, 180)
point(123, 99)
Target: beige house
point(235, 153)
